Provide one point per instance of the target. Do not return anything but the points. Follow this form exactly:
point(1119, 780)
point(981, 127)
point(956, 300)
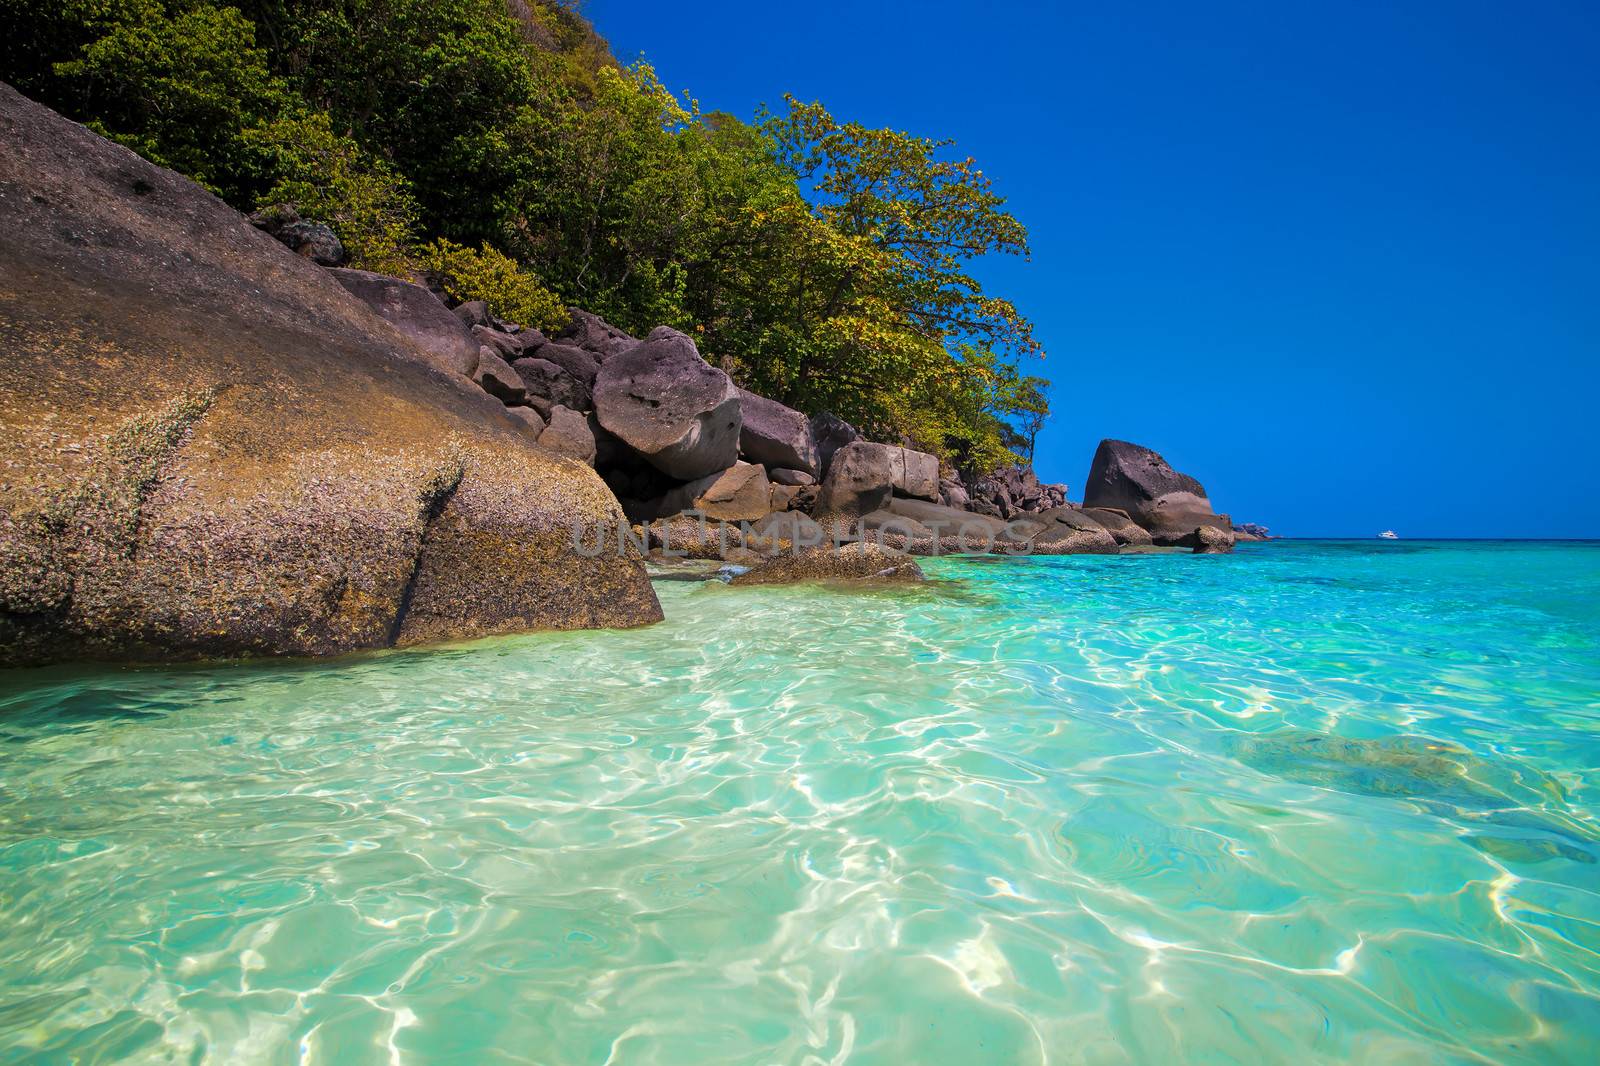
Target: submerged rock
point(849, 562)
point(260, 465)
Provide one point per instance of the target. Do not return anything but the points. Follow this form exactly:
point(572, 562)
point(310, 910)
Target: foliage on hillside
point(822, 262)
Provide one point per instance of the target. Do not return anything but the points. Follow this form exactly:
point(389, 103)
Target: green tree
point(327, 177)
point(181, 85)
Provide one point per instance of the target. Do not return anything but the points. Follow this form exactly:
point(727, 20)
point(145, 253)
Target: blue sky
point(1338, 261)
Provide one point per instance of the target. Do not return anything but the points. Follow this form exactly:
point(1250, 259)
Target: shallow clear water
point(1309, 802)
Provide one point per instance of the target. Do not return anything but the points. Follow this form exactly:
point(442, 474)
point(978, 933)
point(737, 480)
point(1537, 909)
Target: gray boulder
point(1207, 540)
point(495, 376)
point(529, 419)
point(312, 240)
point(860, 479)
point(549, 385)
point(1138, 481)
point(594, 334)
point(914, 473)
point(1068, 531)
point(418, 315)
point(775, 435)
point(849, 562)
point(671, 407)
point(473, 313)
point(830, 432)
point(568, 434)
point(791, 526)
point(782, 476)
point(582, 365)
point(505, 345)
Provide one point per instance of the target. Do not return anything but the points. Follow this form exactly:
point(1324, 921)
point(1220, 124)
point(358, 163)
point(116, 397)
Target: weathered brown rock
point(529, 418)
point(416, 313)
point(849, 562)
point(1067, 531)
point(495, 376)
point(569, 434)
point(738, 494)
point(783, 497)
point(211, 448)
point(781, 476)
point(504, 344)
point(1207, 540)
point(1119, 525)
point(473, 313)
point(671, 407)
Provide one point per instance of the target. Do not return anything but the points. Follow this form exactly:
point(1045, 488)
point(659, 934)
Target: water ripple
point(1307, 802)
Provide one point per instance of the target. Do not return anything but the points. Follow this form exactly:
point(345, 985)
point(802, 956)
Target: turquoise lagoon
point(1310, 802)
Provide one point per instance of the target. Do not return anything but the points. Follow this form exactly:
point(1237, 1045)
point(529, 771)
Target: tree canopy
point(498, 144)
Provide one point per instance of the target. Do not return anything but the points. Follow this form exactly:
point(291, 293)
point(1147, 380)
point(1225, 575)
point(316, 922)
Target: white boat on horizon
point(1388, 534)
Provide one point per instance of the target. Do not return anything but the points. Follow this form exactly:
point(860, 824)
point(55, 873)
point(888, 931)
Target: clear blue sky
point(1338, 261)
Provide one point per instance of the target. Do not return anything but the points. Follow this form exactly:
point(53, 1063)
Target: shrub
point(484, 274)
point(328, 178)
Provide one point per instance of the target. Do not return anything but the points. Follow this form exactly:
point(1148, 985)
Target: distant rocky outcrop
point(1140, 483)
point(1251, 531)
point(214, 447)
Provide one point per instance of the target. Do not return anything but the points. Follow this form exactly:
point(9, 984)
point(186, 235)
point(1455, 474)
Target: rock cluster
point(214, 447)
point(310, 459)
point(1171, 506)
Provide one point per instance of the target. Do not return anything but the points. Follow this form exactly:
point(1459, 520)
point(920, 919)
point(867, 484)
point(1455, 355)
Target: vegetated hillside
point(501, 147)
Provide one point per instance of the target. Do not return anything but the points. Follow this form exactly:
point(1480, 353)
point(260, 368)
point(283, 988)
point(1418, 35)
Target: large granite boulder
point(1124, 529)
point(670, 406)
point(418, 315)
point(775, 435)
point(860, 479)
point(950, 522)
point(213, 448)
point(830, 432)
point(848, 562)
point(1066, 531)
point(1133, 479)
point(739, 494)
point(792, 526)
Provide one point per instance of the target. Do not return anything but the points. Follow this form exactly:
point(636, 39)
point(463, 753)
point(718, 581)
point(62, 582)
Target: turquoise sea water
point(1310, 802)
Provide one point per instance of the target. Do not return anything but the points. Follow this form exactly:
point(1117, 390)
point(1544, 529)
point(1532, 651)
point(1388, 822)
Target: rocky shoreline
point(219, 444)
